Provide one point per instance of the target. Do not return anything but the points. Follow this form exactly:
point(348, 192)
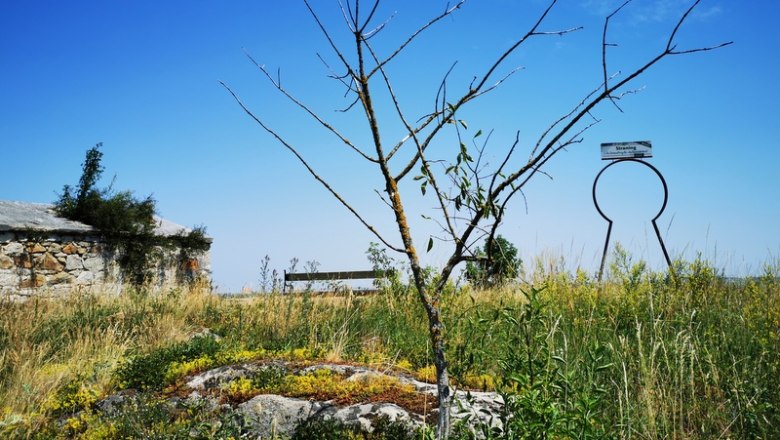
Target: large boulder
point(269, 415)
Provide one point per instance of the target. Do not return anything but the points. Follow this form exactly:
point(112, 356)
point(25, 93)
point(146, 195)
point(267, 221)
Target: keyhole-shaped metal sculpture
point(609, 220)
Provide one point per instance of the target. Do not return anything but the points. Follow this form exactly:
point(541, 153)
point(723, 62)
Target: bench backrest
point(333, 276)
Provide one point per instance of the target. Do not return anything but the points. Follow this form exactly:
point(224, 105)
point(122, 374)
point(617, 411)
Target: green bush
point(548, 390)
point(126, 223)
point(148, 371)
point(147, 417)
point(497, 263)
point(331, 429)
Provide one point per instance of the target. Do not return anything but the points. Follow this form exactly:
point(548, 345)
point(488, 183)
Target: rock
point(37, 248)
point(73, 262)
point(14, 248)
point(366, 414)
point(6, 262)
point(31, 283)
point(112, 405)
point(23, 261)
point(205, 333)
point(190, 265)
point(8, 279)
point(93, 264)
point(477, 407)
point(60, 278)
point(48, 262)
point(85, 277)
point(269, 415)
point(71, 249)
point(217, 376)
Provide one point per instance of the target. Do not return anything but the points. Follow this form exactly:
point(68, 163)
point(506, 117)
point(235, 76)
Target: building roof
point(20, 216)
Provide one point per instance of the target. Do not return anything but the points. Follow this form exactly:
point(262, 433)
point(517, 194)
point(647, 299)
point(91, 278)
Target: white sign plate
point(626, 150)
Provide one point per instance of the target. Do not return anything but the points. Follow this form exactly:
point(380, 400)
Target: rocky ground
point(266, 415)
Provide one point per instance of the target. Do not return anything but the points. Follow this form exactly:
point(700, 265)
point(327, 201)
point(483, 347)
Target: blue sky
point(142, 77)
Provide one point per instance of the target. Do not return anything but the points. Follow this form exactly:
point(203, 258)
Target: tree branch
point(586, 107)
point(429, 175)
point(350, 70)
point(414, 35)
point(278, 85)
point(549, 129)
point(604, 50)
point(474, 91)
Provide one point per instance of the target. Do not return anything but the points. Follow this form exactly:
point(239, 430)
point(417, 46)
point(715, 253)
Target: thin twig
point(277, 84)
point(429, 173)
point(414, 35)
point(604, 45)
point(475, 91)
point(325, 32)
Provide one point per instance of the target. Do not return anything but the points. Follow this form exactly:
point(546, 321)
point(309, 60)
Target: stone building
point(41, 253)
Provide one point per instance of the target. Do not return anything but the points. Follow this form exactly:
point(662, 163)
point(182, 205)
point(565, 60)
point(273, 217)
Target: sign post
point(617, 152)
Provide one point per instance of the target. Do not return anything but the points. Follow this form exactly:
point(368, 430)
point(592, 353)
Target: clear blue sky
point(142, 77)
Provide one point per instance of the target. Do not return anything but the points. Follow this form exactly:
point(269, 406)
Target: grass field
point(642, 355)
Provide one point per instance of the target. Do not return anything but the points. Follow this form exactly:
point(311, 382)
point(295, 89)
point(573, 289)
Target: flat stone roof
point(20, 216)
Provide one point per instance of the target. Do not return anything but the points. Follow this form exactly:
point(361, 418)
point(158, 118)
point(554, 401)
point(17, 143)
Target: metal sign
point(626, 150)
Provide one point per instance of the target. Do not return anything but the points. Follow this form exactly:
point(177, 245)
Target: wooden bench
point(290, 277)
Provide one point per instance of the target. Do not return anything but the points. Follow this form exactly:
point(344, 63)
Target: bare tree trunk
point(430, 301)
point(435, 329)
point(442, 377)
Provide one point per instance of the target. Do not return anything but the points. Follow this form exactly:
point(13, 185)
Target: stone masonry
point(42, 253)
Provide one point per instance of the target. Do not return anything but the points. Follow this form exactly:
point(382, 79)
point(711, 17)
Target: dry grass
point(47, 343)
point(692, 358)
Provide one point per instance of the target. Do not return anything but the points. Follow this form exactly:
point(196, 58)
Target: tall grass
point(687, 354)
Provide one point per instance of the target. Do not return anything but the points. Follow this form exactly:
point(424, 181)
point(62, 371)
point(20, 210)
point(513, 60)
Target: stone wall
point(62, 263)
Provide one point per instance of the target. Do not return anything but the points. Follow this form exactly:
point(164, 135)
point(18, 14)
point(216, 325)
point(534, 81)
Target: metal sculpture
point(609, 220)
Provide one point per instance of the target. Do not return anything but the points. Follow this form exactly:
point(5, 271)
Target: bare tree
point(470, 196)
